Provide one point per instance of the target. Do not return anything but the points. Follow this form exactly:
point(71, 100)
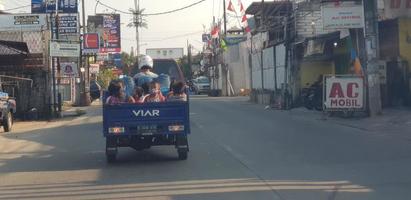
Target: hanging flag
point(244, 19)
point(356, 63)
point(231, 7)
point(215, 32)
point(241, 6)
point(223, 45)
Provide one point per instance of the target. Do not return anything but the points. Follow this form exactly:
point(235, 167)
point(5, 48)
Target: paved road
point(238, 151)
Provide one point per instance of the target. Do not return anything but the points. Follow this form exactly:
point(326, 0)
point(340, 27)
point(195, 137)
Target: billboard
point(64, 49)
point(23, 22)
point(165, 53)
point(107, 26)
point(344, 93)
point(67, 24)
point(49, 6)
point(344, 15)
point(91, 43)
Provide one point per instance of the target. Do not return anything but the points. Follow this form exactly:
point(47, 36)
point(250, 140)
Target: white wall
point(166, 53)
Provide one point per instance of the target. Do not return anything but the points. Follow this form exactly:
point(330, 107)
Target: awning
point(13, 48)
point(13, 53)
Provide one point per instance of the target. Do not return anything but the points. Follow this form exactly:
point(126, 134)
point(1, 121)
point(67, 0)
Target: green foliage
point(104, 77)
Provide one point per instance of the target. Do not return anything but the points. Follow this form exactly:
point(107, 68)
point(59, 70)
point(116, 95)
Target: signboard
point(344, 93)
point(69, 69)
point(91, 43)
point(397, 8)
point(64, 49)
point(206, 37)
point(345, 15)
point(68, 24)
point(108, 28)
point(49, 6)
point(94, 68)
point(23, 22)
point(234, 39)
point(165, 53)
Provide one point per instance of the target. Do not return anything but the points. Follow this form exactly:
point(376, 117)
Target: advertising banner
point(68, 24)
point(94, 68)
point(108, 28)
point(64, 49)
point(91, 43)
point(344, 93)
point(69, 69)
point(23, 22)
point(49, 6)
point(345, 15)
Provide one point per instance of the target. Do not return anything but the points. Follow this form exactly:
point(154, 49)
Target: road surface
point(238, 151)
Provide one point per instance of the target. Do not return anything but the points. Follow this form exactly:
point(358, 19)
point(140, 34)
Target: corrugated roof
point(269, 7)
point(13, 48)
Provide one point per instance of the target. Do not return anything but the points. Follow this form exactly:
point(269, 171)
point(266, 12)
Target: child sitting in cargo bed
point(117, 94)
point(155, 93)
point(177, 92)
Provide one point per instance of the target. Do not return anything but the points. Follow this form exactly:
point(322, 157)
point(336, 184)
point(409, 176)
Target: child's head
point(115, 88)
point(138, 91)
point(146, 88)
point(154, 87)
point(178, 87)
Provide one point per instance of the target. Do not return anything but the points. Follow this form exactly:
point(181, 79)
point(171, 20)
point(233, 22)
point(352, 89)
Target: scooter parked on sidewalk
point(313, 97)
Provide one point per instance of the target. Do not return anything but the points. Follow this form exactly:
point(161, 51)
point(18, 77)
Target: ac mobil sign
point(344, 93)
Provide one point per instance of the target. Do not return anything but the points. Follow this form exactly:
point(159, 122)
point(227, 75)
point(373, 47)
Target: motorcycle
point(313, 97)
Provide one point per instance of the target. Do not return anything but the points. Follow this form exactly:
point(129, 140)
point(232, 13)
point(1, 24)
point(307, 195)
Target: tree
point(128, 61)
point(104, 77)
point(138, 20)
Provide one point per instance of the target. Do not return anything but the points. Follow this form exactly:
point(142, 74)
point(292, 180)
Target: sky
point(164, 31)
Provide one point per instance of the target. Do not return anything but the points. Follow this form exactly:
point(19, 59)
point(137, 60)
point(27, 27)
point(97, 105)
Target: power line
point(150, 14)
point(112, 8)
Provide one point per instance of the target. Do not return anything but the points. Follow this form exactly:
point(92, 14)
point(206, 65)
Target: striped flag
point(244, 20)
point(231, 7)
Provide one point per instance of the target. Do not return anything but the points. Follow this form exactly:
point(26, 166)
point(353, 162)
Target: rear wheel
point(111, 149)
point(182, 155)
point(8, 122)
point(182, 147)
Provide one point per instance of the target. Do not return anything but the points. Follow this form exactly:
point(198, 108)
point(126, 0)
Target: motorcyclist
point(145, 75)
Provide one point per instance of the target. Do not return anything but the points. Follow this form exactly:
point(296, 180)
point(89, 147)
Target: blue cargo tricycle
point(141, 126)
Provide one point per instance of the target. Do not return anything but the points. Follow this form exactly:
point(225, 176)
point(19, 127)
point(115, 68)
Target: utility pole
point(261, 56)
point(189, 58)
point(225, 18)
point(372, 56)
point(86, 77)
point(137, 22)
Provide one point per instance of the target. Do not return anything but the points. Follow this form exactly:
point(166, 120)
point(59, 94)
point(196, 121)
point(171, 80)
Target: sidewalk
point(393, 121)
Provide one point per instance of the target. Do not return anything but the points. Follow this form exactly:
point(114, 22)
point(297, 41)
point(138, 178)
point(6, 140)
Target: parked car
point(201, 85)
point(7, 110)
point(95, 90)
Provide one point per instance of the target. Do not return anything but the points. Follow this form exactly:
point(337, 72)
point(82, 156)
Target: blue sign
point(49, 6)
point(68, 24)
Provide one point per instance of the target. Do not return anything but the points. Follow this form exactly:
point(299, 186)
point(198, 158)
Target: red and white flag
point(242, 10)
point(244, 20)
point(231, 7)
point(215, 32)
